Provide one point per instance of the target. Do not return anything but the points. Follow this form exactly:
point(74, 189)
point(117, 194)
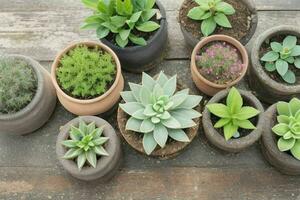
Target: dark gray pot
point(233, 145)
point(266, 88)
point(282, 161)
point(38, 111)
point(107, 166)
point(138, 59)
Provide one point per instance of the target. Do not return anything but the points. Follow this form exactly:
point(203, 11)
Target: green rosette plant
point(123, 19)
point(281, 56)
point(159, 111)
point(85, 144)
point(233, 115)
point(211, 13)
point(288, 127)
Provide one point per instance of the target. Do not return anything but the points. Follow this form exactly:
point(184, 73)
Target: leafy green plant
point(288, 127)
point(85, 144)
point(233, 115)
point(18, 85)
point(124, 19)
point(281, 56)
point(211, 13)
point(85, 72)
point(158, 111)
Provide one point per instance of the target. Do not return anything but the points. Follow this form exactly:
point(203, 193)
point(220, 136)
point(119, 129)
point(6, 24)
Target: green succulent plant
point(158, 111)
point(85, 144)
point(211, 13)
point(18, 85)
point(123, 19)
point(288, 127)
point(233, 115)
point(281, 56)
point(86, 73)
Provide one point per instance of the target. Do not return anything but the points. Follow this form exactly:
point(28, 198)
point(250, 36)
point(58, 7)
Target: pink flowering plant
point(220, 63)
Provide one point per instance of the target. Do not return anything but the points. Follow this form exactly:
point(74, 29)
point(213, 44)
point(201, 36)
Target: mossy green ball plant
point(158, 111)
point(85, 144)
point(18, 85)
point(288, 127)
point(86, 73)
point(233, 115)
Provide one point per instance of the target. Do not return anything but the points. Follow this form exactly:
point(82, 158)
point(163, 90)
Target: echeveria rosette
point(233, 115)
point(211, 13)
point(158, 111)
point(86, 144)
point(288, 127)
point(281, 56)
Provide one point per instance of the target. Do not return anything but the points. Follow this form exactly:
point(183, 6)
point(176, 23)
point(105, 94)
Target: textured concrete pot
point(233, 145)
point(107, 166)
point(192, 41)
point(99, 105)
point(201, 82)
point(282, 161)
point(266, 88)
point(38, 111)
point(138, 59)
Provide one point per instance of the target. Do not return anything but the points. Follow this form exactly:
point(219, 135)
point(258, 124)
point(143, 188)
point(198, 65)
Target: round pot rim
point(87, 43)
point(226, 39)
point(152, 39)
point(37, 69)
point(255, 60)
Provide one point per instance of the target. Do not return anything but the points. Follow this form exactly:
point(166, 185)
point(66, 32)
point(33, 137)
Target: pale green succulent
point(86, 144)
point(158, 111)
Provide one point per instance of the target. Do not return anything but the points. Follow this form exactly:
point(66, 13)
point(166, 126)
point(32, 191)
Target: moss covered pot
point(38, 111)
point(215, 136)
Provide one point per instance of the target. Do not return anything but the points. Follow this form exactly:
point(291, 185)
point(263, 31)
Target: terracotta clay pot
point(269, 90)
point(107, 166)
point(201, 82)
point(233, 145)
point(97, 105)
point(282, 161)
point(38, 111)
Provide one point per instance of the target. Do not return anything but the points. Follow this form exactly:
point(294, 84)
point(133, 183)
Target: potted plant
point(232, 120)
point(275, 64)
point(135, 29)
point(218, 62)
point(280, 140)
point(89, 148)
point(87, 77)
point(27, 96)
point(157, 117)
point(201, 18)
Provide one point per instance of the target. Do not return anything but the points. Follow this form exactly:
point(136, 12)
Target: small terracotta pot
point(282, 161)
point(202, 83)
point(97, 105)
point(107, 166)
point(239, 144)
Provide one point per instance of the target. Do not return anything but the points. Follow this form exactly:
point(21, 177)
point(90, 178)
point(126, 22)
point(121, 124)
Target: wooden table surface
point(28, 165)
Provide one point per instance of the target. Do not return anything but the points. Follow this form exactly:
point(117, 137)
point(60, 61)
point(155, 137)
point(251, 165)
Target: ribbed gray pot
point(107, 166)
point(233, 145)
point(38, 111)
point(265, 87)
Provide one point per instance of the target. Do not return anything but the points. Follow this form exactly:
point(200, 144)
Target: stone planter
point(38, 111)
point(216, 137)
point(107, 166)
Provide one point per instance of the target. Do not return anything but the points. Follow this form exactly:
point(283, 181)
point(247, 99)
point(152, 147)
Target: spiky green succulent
point(85, 144)
point(158, 111)
point(288, 127)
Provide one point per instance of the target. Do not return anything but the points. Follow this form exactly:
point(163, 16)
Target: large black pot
point(143, 58)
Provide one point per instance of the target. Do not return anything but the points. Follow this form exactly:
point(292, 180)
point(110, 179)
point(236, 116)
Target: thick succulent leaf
point(245, 124)
point(148, 26)
point(148, 81)
point(122, 43)
point(83, 127)
point(219, 110)
point(247, 112)
point(148, 14)
point(184, 91)
point(288, 135)
point(283, 108)
point(155, 120)
point(100, 141)
point(137, 40)
point(149, 143)
point(80, 161)
point(290, 42)
point(135, 88)
point(270, 56)
point(208, 26)
point(276, 46)
point(187, 113)
point(76, 133)
point(285, 145)
point(222, 122)
point(91, 158)
point(191, 102)
point(128, 96)
point(297, 63)
point(234, 101)
point(165, 115)
point(270, 66)
point(131, 107)
point(289, 77)
point(178, 135)
point(296, 51)
point(222, 20)
point(296, 150)
point(133, 124)
point(160, 135)
point(140, 115)
point(229, 131)
point(196, 13)
point(184, 122)
point(91, 127)
point(226, 8)
point(281, 67)
point(149, 111)
point(162, 79)
point(69, 143)
point(170, 86)
point(297, 116)
point(283, 119)
point(145, 96)
point(280, 129)
point(294, 105)
point(147, 126)
point(158, 91)
point(99, 150)
point(135, 17)
point(171, 123)
point(73, 153)
point(178, 99)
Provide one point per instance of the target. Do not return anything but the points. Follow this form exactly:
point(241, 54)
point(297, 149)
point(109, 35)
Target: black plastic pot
point(282, 161)
point(267, 89)
point(233, 145)
point(138, 59)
